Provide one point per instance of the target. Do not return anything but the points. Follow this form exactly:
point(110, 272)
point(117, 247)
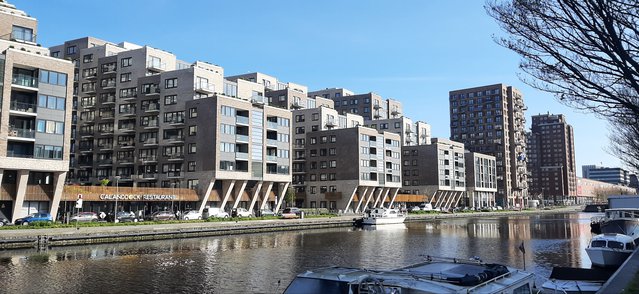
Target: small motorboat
point(383, 216)
point(436, 275)
point(610, 250)
point(570, 280)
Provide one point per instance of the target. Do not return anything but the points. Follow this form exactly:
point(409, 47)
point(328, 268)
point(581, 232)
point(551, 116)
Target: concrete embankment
point(622, 278)
point(49, 237)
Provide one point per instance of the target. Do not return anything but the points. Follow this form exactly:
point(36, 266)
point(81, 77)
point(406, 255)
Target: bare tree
point(625, 138)
point(583, 51)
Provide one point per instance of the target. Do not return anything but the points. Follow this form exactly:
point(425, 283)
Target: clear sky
point(413, 51)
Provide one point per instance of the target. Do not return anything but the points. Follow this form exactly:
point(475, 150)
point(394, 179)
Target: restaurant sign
point(137, 197)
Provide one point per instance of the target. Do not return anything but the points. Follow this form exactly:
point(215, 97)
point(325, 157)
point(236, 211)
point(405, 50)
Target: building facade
point(370, 105)
point(551, 158)
point(490, 120)
point(481, 180)
point(436, 171)
point(35, 119)
point(417, 133)
point(611, 175)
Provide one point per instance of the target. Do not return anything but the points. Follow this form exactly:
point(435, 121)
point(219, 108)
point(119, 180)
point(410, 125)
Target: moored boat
point(618, 220)
point(436, 275)
point(610, 250)
point(570, 280)
point(383, 216)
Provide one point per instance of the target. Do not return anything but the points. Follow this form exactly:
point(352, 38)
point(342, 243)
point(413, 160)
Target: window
point(193, 112)
point(227, 111)
point(90, 72)
point(50, 127)
point(191, 166)
point(72, 50)
point(192, 130)
point(125, 77)
point(192, 148)
point(47, 151)
point(170, 83)
point(128, 92)
point(126, 62)
point(53, 78)
point(51, 102)
point(170, 99)
point(55, 54)
point(87, 58)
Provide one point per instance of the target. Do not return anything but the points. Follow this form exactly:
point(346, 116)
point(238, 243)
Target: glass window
point(41, 125)
point(44, 76)
point(53, 77)
point(59, 128)
point(51, 102)
point(42, 101)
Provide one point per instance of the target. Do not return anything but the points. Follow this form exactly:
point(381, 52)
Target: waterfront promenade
point(44, 237)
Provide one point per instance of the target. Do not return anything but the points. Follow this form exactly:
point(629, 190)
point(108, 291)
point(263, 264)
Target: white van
point(426, 206)
point(217, 212)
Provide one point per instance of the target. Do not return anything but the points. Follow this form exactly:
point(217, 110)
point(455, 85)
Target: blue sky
point(413, 51)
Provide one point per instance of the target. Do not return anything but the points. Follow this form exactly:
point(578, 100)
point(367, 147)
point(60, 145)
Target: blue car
point(34, 217)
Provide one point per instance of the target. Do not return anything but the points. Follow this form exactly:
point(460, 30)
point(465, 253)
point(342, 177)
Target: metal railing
point(21, 132)
point(20, 37)
point(23, 106)
point(25, 80)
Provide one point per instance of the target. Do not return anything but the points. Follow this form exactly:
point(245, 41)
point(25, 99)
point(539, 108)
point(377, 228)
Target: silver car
point(85, 217)
point(191, 215)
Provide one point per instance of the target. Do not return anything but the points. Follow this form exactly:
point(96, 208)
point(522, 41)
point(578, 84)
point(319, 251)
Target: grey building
point(436, 171)
point(551, 158)
point(490, 120)
point(370, 105)
point(611, 175)
point(417, 133)
point(481, 179)
point(35, 119)
point(151, 120)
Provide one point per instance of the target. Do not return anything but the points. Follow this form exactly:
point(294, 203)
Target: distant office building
point(551, 158)
point(35, 124)
point(481, 180)
point(595, 191)
point(436, 171)
point(612, 175)
point(490, 120)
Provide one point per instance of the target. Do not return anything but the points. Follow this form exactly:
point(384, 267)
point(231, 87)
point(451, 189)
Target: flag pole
point(523, 253)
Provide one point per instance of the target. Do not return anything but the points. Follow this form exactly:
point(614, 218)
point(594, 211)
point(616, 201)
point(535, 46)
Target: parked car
point(217, 212)
point(4, 220)
point(267, 212)
point(126, 217)
point(85, 217)
point(162, 216)
point(291, 212)
point(34, 217)
point(415, 208)
point(426, 206)
point(241, 212)
point(191, 215)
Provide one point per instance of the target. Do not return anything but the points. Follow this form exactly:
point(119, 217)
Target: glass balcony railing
point(21, 132)
point(241, 155)
point(271, 125)
point(242, 120)
point(11, 153)
point(25, 81)
point(271, 158)
point(242, 138)
point(271, 142)
point(23, 106)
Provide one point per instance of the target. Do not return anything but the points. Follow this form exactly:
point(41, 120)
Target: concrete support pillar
point(238, 195)
point(267, 193)
point(393, 198)
point(227, 187)
point(21, 191)
point(439, 199)
point(386, 191)
point(350, 200)
point(379, 194)
point(370, 196)
point(207, 194)
point(58, 188)
point(281, 196)
point(256, 193)
point(1, 175)
point(362, 198)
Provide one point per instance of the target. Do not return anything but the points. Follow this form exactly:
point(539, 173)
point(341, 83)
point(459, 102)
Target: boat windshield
point(615, 244)
point(311, 285)
point(598, 243)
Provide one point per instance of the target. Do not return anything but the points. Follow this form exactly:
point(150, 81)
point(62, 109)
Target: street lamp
point(117, 194)
point(173, 186)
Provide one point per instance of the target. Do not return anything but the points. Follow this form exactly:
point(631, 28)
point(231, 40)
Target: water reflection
point(255, 263)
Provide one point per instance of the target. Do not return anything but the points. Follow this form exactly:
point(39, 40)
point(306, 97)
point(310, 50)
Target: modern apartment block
point(370, 105)
point(611, 175)
point(481, 179)
point(490, 120)
point(551, 158)
point(152, 120)
point(436, 171)
point(417, 133)
point(35, 118)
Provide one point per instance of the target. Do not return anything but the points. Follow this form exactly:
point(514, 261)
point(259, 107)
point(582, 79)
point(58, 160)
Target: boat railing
point(503, 276)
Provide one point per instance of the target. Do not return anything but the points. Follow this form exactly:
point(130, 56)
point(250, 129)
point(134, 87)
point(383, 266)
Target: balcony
point(127, 128)
point(106, 132)
point(242, 120)
point(25, 82)
point(153, 90)
point(105, 147)
point(271, 125)
point(107, 116)
point(127, 111)
point(86, 133)
point(176, 121)
point(11, 153)
point(174, 174)
point(22, 108)
point(296, 105)
point(242, 138)
point(86, 149)
point(91, 76)
point(176, 139)
point(204, 88)
point(331, 123)
point(126, 160)
point(109, 69)
point(241, 155)
point(27, 37)
point(271, 142)
point(126, 144)
point(271, 158)
point(152, 107)
point(150, 142)
point(258, 100)
point(89, 89)
point(109, 85)
point(22, 133)
point(148, 159)
point(156, 66)
point(175, 157)
point(148, 177)
point(377, 106)
point(395, 112)
point(105, 162)
point(107, 100)
point(152, 125)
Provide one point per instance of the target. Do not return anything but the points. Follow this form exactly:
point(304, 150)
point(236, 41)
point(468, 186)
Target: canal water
point(267, 262)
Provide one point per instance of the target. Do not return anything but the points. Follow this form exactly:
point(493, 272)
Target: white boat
point(570, 280)
point(610, 250)
point(383, 216)
point(433, 276)
point(618, 220)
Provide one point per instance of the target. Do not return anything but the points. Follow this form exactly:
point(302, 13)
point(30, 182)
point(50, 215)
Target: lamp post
point(173, 186)
point(117, 194)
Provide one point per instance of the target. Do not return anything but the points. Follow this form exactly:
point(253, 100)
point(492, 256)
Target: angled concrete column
point(350, 200)
point(256, 194)
point(58, 182)
point(439, 201)
point(459, 197)
point(1, 174)
point(238, 196)
point(227, 187)
point(21, 191)
point(370, 197)
point(362, 196)
point(207, 194)
point(381, 203)
point(393, 198)
point(379, 194)
point(281, 199)
point(267, 193)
